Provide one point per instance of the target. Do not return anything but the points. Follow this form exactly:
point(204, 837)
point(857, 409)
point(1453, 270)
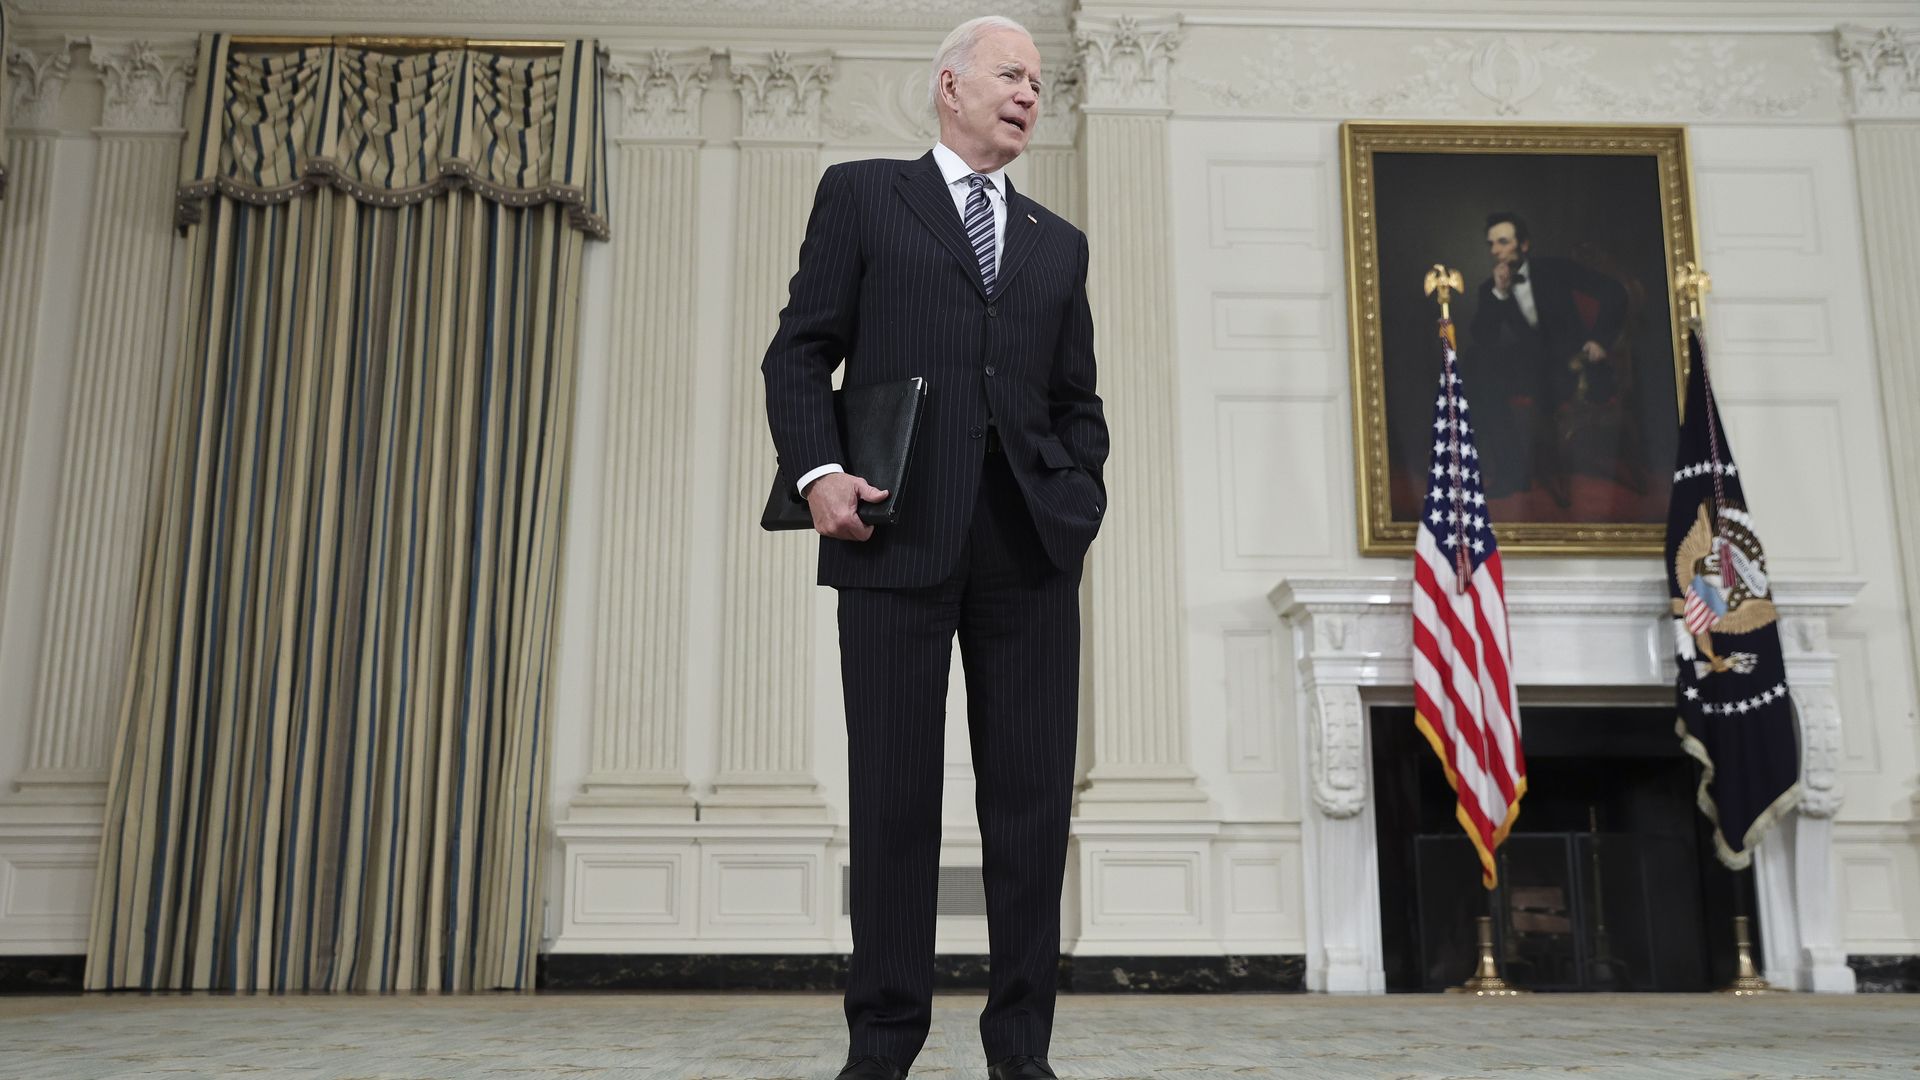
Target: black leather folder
point(878, 423)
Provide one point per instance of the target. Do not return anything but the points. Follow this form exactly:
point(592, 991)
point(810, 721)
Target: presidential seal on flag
point(1735, 713)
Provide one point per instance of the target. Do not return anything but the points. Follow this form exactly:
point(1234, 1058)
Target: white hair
point(956, 52)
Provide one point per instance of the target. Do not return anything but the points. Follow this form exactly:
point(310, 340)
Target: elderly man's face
point(1501, 245)
point(987, 116)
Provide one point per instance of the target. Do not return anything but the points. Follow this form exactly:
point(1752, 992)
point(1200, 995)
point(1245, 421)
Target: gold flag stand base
point(1747, 980)
point(1486, 980)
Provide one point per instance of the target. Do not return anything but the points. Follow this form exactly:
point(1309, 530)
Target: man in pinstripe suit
point(937, 268)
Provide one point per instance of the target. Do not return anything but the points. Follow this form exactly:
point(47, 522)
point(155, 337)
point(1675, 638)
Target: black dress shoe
point(1021, 1067)
point(872, 1068)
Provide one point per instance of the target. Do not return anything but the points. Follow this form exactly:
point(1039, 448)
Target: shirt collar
point(953, 170)
point(1523, 268)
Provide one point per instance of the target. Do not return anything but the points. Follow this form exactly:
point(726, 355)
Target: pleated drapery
point(331, 768)
point(6, 106)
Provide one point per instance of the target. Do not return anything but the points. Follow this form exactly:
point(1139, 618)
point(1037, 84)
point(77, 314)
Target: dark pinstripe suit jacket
point(889, 284)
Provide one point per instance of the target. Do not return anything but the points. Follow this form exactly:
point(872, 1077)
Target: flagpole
point(1441, 283)
point(1747, 980)
point(1692, 284)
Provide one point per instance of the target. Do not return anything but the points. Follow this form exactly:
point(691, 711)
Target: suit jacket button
point(973, 433)
point(989, 370)
point(993, 311)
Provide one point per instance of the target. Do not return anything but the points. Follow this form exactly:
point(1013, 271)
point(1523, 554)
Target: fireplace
point(1608, 881)
point(1578, 643)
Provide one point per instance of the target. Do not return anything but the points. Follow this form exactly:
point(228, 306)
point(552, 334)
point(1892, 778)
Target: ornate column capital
point(1882, 67)
point(145, 82)
point(1125, 61)
point(39, 74)
point(660, 93)
point(781, 93)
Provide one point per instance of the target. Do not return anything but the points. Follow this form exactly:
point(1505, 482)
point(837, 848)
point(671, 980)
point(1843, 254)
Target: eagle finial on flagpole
point(1446, 282)
point(1692, 283)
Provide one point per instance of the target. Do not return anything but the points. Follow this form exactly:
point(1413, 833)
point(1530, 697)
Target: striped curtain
point(6, 107)
point(331, 767)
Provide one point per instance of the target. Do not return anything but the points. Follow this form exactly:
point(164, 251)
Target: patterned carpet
point(737, 1037)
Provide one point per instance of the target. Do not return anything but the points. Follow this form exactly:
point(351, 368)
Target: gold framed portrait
point(1568, 238)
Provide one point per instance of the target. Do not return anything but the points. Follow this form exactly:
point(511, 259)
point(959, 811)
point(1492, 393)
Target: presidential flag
point(1735, 713)
point(1463, 691)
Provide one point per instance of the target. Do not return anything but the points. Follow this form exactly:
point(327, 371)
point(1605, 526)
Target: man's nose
point(1025, 97)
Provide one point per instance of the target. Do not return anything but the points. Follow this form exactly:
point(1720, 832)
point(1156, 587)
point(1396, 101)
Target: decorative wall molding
point(1346, 73)
point(145, 83)
point(39, 76)
point(1337, 751)
point(1882, 67)
point(883, 103)
point(781, 93)
point(1820, 750)
point(660, 93)
point(923, 14)
point(1126, 61)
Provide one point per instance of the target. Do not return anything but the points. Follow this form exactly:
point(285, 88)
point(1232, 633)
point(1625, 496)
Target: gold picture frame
point(1571, 441)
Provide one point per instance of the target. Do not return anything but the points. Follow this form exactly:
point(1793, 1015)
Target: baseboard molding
point(1270, 974)
point(42, 974)
point(828, 971)
point(1886, 974)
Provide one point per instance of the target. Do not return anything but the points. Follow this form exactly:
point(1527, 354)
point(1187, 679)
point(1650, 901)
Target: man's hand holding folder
point(835, 499)
point(878, 423)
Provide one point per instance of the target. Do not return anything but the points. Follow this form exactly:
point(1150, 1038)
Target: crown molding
point(542, 18)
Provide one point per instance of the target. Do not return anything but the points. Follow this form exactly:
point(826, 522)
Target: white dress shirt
point(1521, 289)
point(956, 173)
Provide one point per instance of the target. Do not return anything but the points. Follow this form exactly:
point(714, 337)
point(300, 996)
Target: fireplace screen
point(1607, 883)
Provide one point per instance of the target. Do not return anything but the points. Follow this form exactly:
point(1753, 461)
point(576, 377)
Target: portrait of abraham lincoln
point(1566, 329)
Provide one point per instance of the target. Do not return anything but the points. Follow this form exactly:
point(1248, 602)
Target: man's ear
point(949, 88)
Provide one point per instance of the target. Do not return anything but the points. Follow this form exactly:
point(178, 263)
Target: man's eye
point(1006, 74)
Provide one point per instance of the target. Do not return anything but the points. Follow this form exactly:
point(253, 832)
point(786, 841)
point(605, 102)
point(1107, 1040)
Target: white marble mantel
point(1574, 639)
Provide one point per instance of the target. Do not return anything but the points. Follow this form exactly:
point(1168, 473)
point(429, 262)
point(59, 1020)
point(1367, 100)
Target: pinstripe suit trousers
point(1017, 618)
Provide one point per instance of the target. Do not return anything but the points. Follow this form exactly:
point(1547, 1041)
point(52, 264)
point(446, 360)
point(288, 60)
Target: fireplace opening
point(1608, 881)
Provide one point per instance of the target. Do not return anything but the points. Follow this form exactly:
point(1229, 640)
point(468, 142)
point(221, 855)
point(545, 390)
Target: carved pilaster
point(766, 719)
point(1138, 628)
point(24, 218)
point(1883, 71)
point(1883, 79)
point(781, 93)
point(145, 83)
point(639, 716)
point(116, 379)
point(660, 94)
point(1126, 61)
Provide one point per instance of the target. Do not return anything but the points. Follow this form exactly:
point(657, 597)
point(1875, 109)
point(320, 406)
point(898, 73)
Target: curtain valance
point(391, 129)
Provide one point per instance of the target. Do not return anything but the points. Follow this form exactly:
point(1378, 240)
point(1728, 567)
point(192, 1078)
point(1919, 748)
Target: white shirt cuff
point(830, 467)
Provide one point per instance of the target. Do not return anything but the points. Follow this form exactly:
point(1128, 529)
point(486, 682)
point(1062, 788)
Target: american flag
point(1463, 690)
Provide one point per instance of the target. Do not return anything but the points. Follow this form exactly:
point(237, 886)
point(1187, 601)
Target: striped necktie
point(979, 223)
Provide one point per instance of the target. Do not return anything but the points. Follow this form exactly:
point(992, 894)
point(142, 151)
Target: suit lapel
point(926, 194)
point(1023, 232)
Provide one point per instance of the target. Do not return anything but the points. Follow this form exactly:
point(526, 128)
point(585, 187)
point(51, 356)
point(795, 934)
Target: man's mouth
point(1015, 121)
